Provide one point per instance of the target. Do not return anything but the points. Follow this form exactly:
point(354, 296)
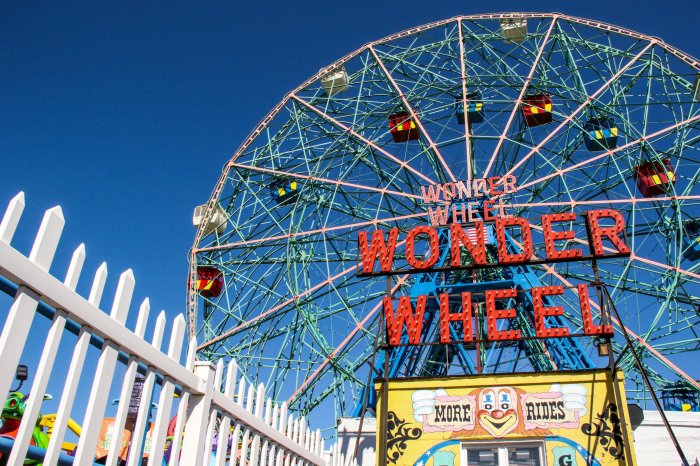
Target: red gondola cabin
point(210, 281)
point(403, 128)
point(537, 109)
point(653, 177)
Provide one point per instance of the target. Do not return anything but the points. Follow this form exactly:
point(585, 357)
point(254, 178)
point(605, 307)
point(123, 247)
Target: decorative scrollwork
point(396, 436)
point(610, 439)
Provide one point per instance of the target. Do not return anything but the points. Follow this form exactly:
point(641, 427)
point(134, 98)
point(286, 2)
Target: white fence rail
point(256, 430)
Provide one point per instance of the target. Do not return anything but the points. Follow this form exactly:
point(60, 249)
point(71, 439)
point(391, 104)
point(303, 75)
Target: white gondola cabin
point(335, 80)
point(514, 29)
point(217, 222)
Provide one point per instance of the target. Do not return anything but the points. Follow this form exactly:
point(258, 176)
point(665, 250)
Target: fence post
point(193, 444)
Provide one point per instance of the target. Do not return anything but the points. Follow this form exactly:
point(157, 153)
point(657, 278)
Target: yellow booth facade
point(542, 419)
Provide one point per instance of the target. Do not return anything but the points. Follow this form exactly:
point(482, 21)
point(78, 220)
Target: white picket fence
point(259, 431)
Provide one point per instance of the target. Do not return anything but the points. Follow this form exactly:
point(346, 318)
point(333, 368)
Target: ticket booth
point(543, 419)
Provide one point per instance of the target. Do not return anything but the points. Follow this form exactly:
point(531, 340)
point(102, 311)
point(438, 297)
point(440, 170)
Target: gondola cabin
point(600, 134)
point(680, 396)
point(334, 81)
point(217, 220)
point(210, 281)
point(284, 192)
point(514, 29)
point(653, 177)
point(475, 108)
point(691, 240)
point(537, 109)
point(403, 127)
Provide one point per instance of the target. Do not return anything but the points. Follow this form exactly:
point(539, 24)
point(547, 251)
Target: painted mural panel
point(544, 419)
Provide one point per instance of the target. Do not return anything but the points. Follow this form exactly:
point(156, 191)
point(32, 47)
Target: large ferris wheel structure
point(583, 114)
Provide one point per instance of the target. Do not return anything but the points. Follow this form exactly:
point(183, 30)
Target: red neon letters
point(541, 330)
point(493, 315)
point(612, 233)
point(465, 316)
point(412, 319)
point(518, 250)
point(404, 316)
point(550, 236)
point(504, 256)
point(378, 247)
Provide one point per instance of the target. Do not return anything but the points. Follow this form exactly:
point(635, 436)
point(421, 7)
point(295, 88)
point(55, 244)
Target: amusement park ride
point(484, 195)
point(584, 115)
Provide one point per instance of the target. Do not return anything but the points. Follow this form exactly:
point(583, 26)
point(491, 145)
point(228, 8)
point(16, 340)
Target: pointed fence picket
point(211, 424)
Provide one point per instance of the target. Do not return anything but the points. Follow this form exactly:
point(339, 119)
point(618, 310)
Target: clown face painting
point(497, 411)
point(551, 419)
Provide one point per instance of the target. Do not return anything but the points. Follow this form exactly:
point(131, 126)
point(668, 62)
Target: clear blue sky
point(124, 112)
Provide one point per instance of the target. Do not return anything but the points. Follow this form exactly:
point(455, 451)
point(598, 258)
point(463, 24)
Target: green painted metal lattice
point(292, 312)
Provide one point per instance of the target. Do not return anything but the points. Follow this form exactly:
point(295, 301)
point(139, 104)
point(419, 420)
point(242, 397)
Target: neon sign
point(464, 251)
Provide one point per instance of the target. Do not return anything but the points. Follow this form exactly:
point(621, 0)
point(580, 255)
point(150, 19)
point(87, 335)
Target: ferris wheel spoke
point(409, 108)
point(276, 308)
point(657, 355)
point(565, 48)
point(585, 163)
point(271, 312)
point(581, 107)
point(463, 70)
point(518, 102)
point(358, 136)
point(360, 325)
point(323, 230)
point(574, 203)
point(635, 257)
point(322, 180)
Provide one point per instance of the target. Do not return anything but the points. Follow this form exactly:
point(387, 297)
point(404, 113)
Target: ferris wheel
point(583, 114)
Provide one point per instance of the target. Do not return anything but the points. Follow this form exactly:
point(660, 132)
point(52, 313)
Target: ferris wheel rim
point(690, 60)
point(370, 47)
